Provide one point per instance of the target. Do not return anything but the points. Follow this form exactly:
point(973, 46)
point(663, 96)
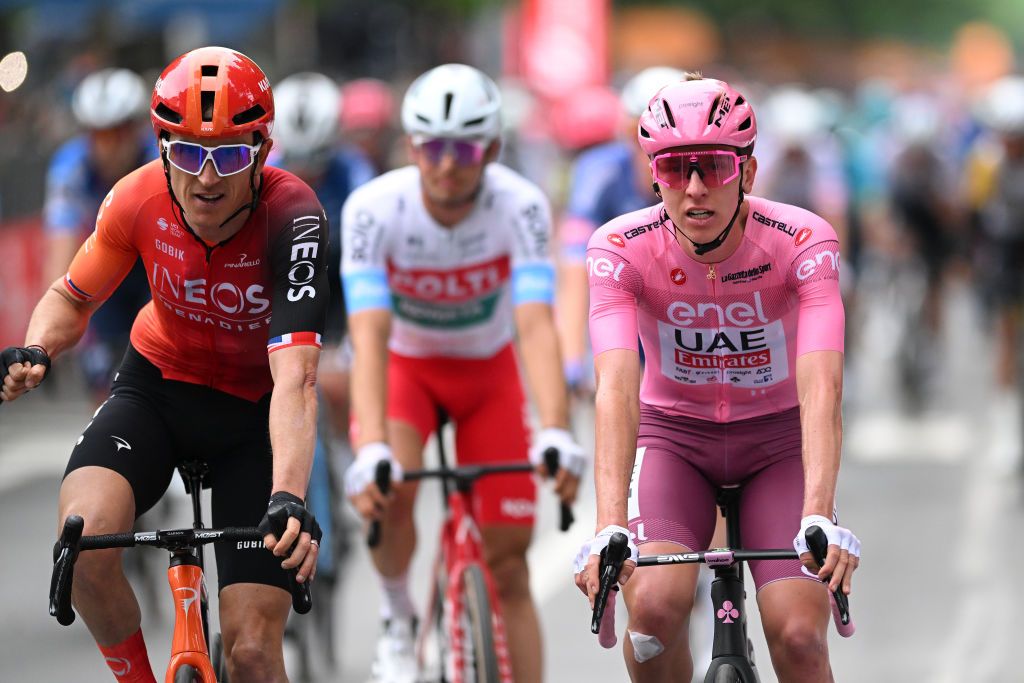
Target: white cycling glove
point(595, 545)
point(836, 535)
point(362, 472)
point(571, 455)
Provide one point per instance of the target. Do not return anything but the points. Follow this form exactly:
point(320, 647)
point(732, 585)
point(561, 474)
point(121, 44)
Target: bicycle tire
point(218, 660)
point(476, 608)
point(187, 674)
point(727, 673)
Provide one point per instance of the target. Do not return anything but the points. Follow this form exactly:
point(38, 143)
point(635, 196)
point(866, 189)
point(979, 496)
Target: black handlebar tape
point(566, 517)
point(382, 475)
point(302, 601)
point(65, 553)
point(612, 558)
point(817, 542)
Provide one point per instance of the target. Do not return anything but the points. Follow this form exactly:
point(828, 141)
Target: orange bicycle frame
point(188, 645)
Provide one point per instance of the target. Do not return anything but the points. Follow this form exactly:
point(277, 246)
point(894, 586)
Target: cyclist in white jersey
point(443, 262)
point(736, 303)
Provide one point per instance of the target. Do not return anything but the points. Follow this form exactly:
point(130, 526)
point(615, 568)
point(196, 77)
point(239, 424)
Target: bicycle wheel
point(187, 674)
point(217, 658)
point(480, 661)
point(432, 645)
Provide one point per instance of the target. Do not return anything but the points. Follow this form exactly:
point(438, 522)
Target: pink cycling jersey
point(720, 340)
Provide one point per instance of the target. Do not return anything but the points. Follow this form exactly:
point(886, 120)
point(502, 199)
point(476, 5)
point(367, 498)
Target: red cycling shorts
point(484, 401)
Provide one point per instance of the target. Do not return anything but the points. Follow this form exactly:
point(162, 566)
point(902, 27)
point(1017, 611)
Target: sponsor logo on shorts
point(517, 508)
point(249, 545)
point(120, 443)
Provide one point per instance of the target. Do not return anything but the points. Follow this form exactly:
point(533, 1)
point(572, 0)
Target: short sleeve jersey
point(721, 340)
point(452, 291)
point(210, 320)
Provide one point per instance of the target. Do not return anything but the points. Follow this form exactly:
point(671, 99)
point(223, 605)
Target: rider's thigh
point(795, 614)
point(101, 497)
point(659, 598)
point(252, 621)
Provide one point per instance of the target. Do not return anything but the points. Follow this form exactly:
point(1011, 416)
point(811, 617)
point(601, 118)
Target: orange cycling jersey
point(209, 322)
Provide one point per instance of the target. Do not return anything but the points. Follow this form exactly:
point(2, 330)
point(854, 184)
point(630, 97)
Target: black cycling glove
point(284, 505)
point(33, 355)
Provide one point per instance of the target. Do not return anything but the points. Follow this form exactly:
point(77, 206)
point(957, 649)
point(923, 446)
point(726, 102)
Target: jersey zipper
point(720, 404)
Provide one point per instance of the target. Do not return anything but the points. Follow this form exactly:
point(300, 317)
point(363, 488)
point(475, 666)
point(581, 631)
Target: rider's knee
point(511, 576)
point(799, 641)
point(655, 614)
point(253, 659)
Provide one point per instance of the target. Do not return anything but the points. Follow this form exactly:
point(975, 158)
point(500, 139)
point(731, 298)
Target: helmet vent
point(448, 97)
point(209, 70)
point(474, 122)
point(744, 125)
point(668, 114)
point(740, 100)
point(168, 114)
point(644, 133)
point(206, 98)
point(713, 109)
point(251, 114)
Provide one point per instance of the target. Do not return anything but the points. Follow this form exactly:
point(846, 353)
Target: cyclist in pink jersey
point(736, 303)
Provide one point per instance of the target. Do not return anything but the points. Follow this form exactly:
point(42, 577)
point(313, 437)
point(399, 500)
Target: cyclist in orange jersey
point(225, 241)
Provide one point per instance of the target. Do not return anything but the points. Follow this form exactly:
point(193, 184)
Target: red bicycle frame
point(461, 547)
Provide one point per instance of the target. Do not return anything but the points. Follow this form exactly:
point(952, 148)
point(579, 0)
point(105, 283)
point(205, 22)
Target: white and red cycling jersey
point(720, 340)
point(452, 290)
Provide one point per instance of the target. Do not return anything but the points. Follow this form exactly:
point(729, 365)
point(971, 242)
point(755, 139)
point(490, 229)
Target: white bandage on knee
point(645, 647)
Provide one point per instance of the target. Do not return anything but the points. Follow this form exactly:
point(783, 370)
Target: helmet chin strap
point(702, 248)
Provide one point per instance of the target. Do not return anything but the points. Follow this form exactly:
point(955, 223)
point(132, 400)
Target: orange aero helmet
point(212, 92)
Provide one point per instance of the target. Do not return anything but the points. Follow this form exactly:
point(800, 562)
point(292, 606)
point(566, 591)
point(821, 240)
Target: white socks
point(395, 600)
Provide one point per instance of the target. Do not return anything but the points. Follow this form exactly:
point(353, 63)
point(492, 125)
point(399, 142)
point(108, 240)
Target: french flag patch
point(293, 339)
point(76, 292)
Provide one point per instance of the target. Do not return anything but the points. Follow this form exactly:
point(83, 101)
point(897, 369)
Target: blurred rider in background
point(309, 109)
point(368, 120)
point(996, 188)
point(109, 105)
point(608, 180)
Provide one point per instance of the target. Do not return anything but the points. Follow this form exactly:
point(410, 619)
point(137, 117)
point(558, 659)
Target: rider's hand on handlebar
point(588, 561)
point(572, 460)
point(360, 484)
point(843, 552)
point(22, 369)
point(290, 529)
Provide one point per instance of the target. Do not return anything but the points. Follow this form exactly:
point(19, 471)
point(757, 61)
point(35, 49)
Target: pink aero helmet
point(699, 112)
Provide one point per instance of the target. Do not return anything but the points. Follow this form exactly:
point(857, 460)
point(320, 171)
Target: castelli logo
point(803, 235)
point(677, 276)
point(617, 240)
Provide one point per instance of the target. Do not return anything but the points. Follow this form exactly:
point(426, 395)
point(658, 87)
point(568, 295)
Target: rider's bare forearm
point(369, 332)
point(293, 408)
point(616, 418)
point(57, 322)
point(538, 347)
point(820, 388)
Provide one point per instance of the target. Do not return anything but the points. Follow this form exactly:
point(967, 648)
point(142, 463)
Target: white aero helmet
point(109, 98)
point(307, 110)
point(639, 89)
point(1001, 107)
point(453, 100)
